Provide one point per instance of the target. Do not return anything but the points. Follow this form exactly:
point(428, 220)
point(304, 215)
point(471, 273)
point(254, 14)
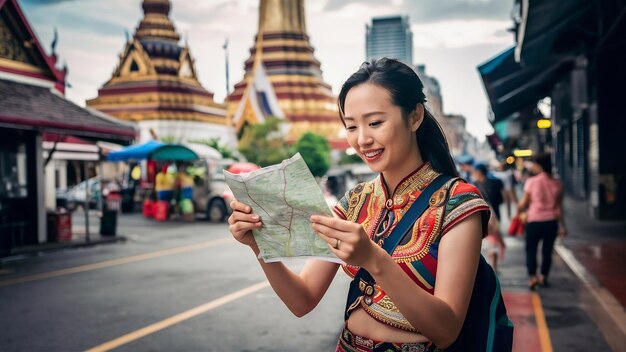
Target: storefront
point(573, 53)
point(33, 103)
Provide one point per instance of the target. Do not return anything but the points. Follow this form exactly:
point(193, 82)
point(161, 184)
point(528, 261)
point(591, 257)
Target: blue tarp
point(153, 150)
point(136, 152)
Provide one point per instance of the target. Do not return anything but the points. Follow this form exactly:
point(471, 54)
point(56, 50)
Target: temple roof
point(156, 78)
point(25, 106)
point(22, 53)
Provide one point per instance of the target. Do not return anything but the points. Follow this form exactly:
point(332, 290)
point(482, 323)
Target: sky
point(451, 37)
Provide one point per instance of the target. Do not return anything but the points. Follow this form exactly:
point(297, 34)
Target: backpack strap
point(363, 282)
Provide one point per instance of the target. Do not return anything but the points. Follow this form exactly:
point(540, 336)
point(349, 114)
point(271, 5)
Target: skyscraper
point(389, 37)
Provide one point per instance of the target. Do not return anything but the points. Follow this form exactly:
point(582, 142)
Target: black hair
point(406, 91)
point(545, 161)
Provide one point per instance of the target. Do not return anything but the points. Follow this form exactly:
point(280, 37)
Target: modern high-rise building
point(389, 37)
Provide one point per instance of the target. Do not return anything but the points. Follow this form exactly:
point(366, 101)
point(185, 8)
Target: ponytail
point(433, 146)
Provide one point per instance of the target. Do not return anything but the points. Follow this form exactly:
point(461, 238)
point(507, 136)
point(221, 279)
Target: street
point(129, 296)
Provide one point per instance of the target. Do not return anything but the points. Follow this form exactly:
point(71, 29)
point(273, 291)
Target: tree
point(347, 159)
point(214, 143)
point(263, 143)
point(315, 151)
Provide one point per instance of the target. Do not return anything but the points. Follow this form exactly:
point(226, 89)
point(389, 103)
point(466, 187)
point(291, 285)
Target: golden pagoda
point(283, 55)
point(155, 85)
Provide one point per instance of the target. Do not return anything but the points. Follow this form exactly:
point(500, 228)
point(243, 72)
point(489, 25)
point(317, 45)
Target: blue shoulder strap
point(363, 282)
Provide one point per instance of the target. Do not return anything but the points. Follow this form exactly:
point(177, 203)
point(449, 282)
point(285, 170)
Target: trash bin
point(128, 200)
point(59, 226)
point(108, 223)
point(108, 220)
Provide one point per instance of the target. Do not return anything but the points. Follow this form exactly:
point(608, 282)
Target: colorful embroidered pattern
point(368, 204)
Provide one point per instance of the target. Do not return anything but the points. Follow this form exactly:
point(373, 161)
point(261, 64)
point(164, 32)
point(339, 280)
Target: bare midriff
point(362, 324)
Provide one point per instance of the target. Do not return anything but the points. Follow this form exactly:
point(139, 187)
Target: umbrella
point(240, 168)
point(153, 150)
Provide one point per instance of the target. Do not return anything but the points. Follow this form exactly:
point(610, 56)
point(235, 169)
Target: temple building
point(283, 56)
point(155, 85)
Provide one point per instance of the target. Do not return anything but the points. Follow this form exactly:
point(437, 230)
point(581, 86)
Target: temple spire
point(156, 23)
point(282, 65)
point(282, 16)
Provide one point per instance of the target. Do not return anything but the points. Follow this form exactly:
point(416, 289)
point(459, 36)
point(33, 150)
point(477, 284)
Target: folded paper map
point(284, 195)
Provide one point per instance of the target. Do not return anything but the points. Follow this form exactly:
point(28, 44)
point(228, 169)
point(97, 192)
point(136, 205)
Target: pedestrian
point(505, 173)
point(490, 186)
point(185, 201)
point(543, 202)
point(493, 244)
point(434, 291)
point(164, 184)
point(466, 163)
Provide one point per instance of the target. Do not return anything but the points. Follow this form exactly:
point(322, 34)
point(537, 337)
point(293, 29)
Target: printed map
point(284, 196)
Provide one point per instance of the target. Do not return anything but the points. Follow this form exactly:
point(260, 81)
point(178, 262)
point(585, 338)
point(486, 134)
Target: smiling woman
point(410, 238)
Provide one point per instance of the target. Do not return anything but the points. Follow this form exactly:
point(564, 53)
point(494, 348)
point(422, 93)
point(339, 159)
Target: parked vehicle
point(211, 194)
point(75, 197)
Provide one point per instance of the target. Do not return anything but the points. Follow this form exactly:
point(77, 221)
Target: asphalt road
point(129, 296)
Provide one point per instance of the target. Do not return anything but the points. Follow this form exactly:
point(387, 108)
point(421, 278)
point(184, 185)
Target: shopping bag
point(516, 228)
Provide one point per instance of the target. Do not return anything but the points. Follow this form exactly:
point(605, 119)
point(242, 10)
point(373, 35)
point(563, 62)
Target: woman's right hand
point(242, 221)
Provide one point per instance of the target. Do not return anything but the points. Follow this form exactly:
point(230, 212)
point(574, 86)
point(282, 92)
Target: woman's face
point(376, 130)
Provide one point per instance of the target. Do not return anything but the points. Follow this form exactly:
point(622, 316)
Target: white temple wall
point(185, 131)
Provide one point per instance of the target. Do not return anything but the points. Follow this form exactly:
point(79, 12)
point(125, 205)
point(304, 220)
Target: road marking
point(542, 326)
point(166, 323)
point(116, 262)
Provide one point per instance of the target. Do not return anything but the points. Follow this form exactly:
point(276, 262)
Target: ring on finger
point(337, 244)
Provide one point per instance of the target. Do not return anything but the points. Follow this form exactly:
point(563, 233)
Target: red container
point(161, 210)
point(59, 226)
point(64, 227)
point(114, 201)
point(148, 208)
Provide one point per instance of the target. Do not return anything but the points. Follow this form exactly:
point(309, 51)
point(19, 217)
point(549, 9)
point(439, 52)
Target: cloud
point(460, 33)
point(44, 2)
point(436, 10)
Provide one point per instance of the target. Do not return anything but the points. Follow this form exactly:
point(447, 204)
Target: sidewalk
point(596, 252)
point(79, 238)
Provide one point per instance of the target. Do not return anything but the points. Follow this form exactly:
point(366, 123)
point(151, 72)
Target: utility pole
point(225, 47)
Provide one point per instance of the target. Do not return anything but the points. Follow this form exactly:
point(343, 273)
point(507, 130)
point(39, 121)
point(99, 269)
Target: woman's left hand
point(346, 239)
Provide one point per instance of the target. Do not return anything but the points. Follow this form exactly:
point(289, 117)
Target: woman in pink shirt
point(543, 200)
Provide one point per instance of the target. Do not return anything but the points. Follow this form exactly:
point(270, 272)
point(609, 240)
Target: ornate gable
point(20, 50)
point(135, 62)
point(11, 48)
point(186, 67)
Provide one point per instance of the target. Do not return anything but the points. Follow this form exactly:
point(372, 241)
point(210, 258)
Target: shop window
point(13, 182)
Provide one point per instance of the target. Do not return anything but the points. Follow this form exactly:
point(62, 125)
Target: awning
point(172, 152)
point(154, 150)
point(511, 87)
point(543, 21)
point(30, 107)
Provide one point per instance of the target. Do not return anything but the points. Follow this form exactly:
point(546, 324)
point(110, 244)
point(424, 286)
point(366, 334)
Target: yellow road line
point(166, 323)
point(115, 262)
point(542, 326)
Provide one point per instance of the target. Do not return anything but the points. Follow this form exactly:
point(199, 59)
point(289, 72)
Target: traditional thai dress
point(371, 205)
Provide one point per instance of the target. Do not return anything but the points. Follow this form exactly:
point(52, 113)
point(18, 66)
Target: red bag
point(516, 228)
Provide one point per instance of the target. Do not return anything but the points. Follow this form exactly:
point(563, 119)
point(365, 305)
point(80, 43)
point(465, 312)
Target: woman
point(422, 291)
point(543, 200)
